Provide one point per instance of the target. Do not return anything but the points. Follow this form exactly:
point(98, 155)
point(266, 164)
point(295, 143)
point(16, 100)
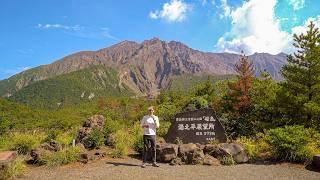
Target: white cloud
point(297, 4)
point(59, 26)
point(173, 11)
point(226, 9)
point(80, 31)
point(254, 29)
point(303, 28)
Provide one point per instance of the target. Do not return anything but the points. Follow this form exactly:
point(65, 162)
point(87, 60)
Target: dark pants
point(149, 147)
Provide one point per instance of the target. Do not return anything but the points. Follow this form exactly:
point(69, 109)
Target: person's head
point(150, 110)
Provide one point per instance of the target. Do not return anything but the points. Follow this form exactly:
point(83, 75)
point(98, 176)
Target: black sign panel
point(199, 126)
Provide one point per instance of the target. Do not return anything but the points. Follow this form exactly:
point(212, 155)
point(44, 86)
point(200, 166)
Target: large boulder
point(191, 154)
point(316, 161)
point(96, 121)
point(235, 150)
point(210, 161)
point(83, 136)
point(166, 152)
point(6, 158)
point(215, 151)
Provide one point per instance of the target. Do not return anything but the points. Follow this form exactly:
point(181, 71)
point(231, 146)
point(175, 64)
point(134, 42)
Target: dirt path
point(129, 169)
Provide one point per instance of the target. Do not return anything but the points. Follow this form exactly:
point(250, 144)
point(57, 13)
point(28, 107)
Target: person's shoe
point(144, 165)
point(155, 165)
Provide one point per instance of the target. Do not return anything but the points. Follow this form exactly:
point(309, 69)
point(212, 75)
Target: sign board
point(199, 126)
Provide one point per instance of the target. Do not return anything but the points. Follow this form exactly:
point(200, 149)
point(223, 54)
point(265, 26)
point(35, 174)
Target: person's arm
point(157, 122)
point(142, 123)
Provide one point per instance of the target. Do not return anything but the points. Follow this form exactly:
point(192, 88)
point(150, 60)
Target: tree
point(237, 102)
point(300, 95)
point(240, 90)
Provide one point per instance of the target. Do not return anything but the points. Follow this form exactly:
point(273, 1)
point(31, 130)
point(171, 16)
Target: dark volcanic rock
point(190, 154)
point(236, 151)
point(167, 152)
point(83, 136)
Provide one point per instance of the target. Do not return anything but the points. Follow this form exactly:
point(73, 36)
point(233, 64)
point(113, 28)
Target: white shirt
point(153, 123)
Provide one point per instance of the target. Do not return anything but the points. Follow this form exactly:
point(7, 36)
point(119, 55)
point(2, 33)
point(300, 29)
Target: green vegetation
point(294, 143)
point(270, 119)
point(72, 88)
point(14, 170)
point(227, 160)
point(64, 156)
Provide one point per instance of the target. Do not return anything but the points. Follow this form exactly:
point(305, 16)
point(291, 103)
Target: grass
point(23, 143)
point(123, 142)
point(14, 170)
point(226, 160)
point(66, 156)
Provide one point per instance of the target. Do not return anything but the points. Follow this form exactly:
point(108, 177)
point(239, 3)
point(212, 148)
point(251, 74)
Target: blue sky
point(37, 32)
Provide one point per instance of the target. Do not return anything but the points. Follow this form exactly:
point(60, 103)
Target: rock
point(83, 136)
point(316, 161)
point(166, 152)
point(191, 154)
point(109, 141)
point(37, 155)
point(51, 146)
point(6, 158)
point(176, 161)
point(161, 140)
point(84, 158)
point(236, 151)
point(96, 121)
point(100, 153)
point(210, 149)
point(210, 161)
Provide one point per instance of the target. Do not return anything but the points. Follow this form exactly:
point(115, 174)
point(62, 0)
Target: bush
point(65, 139)
point(123, 142)
point(52, 135)
point(24, 143)
point(163, 129)
point(293, 143)
point(250, 147)
point(226, 160)
point(137, 138)
point(97, 138)
point(65, 156)
point(14, 170)
point(196, 103)
point(111, 126)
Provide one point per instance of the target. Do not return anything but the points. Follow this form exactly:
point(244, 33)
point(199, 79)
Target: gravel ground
point(130, 169)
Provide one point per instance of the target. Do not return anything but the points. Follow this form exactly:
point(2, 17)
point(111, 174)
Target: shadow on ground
point(121, 164)
point(310, 167)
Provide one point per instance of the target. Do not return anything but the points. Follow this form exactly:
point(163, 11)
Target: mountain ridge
point(145, 67)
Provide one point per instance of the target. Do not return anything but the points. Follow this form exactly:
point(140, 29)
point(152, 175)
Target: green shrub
point(97, 138)
point(52, 135)
point(23, 143)
point(293, 143)
point(65, 139)
point(137, 137)
point(123, 142)
point(65, 156)
point(14, 170)
point(226, 160)
point(111, 126)
point(250, 147)
point(163, 129)
point(196, 103)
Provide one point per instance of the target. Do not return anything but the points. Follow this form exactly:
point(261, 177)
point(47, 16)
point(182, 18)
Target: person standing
point(149, 123)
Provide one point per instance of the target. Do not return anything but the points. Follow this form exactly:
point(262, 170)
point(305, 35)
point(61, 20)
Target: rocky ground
point(129, 168)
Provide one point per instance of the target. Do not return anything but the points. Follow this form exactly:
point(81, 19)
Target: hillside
point(72, 88)
point(145, 67)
